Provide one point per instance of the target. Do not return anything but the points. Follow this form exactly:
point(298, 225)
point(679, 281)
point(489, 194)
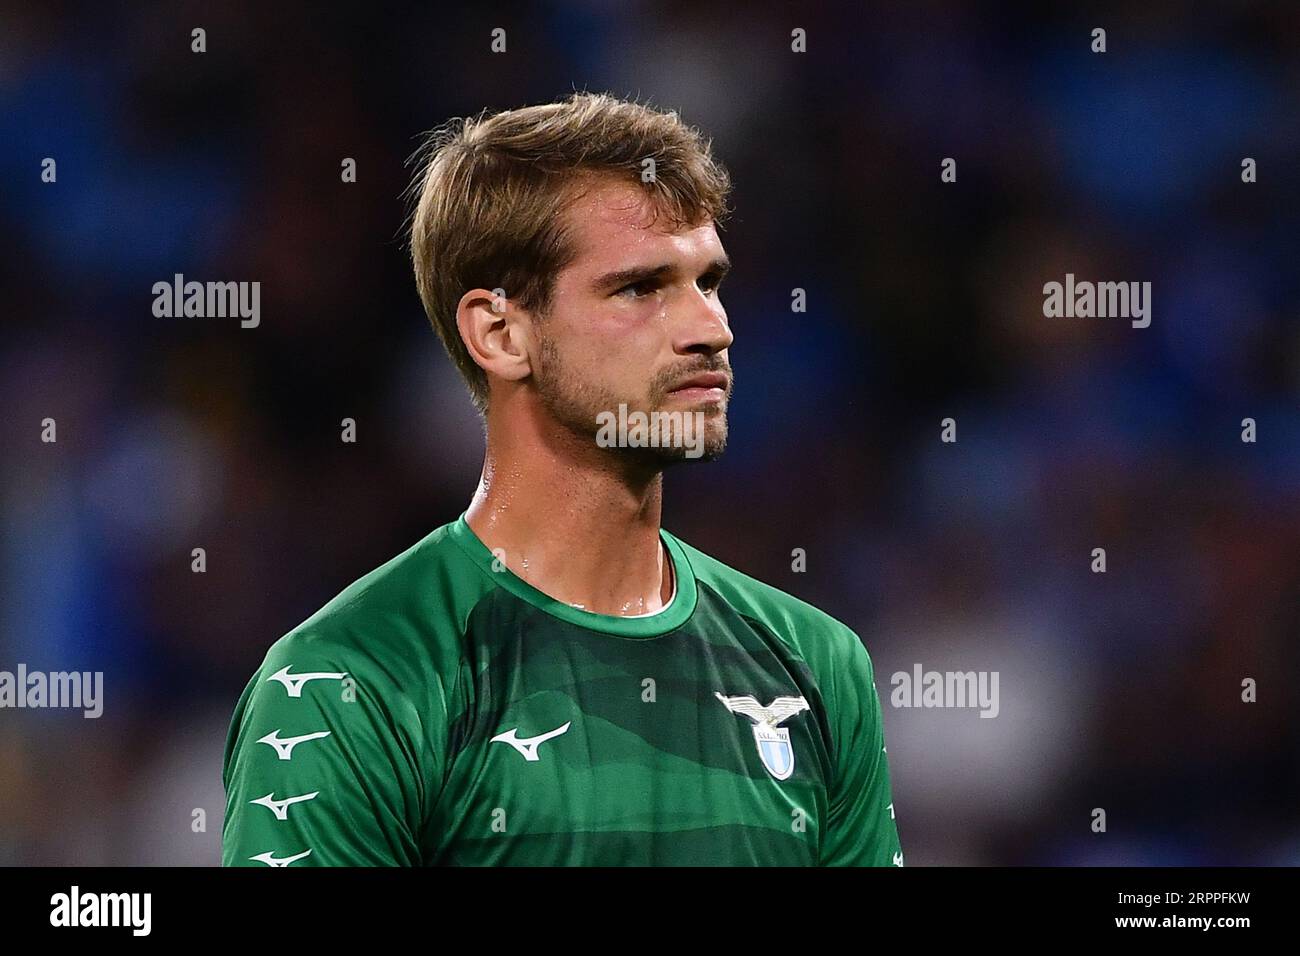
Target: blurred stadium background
point(1119, 690)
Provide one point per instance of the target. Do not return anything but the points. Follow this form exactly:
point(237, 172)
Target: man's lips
point(705, 385)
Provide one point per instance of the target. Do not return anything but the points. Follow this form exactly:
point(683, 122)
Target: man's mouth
point(703, 387)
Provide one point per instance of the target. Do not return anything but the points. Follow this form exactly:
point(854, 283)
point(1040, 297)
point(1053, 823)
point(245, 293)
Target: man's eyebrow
point(622, 277)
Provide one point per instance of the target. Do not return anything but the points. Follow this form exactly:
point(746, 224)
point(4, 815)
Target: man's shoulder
point(809, 628)
point(414, 604)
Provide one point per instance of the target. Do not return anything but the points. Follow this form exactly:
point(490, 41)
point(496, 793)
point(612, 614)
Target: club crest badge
point(773, 741)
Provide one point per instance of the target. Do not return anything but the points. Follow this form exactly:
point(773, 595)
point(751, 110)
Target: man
point(553, 679)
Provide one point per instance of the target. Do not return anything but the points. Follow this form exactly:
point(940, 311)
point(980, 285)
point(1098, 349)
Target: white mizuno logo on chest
point(528, 745)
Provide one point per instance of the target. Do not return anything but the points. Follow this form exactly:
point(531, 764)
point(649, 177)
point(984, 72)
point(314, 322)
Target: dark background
point(1118, 690)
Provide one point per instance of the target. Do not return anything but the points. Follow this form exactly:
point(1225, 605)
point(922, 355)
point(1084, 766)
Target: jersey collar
point(651, 625)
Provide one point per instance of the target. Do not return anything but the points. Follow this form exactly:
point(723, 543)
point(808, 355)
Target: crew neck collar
point(673, 615)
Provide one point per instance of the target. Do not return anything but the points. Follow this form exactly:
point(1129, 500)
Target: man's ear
point(497, 333)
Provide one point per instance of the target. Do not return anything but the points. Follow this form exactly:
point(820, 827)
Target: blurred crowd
point(1120, 691)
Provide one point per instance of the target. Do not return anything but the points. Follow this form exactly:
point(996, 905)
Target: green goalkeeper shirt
point(442, 711)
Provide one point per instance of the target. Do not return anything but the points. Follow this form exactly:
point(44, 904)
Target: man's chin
point(654, 458)
point(703, 439)
point(673, 432)
point(708, 446)
point(710, 452)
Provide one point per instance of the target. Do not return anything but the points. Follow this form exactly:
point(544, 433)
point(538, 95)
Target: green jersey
point(442, 711)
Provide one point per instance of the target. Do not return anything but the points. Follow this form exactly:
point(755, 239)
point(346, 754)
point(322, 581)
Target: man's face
point(636, 320)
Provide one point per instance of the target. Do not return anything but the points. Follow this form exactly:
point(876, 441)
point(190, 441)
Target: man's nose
point(703, 325)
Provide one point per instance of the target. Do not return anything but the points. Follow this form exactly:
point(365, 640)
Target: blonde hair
point(493, 189)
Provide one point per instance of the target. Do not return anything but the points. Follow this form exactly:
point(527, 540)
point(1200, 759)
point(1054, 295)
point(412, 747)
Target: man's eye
point(646, 286)
point(710, 283)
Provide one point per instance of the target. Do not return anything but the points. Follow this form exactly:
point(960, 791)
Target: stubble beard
point(575, 404)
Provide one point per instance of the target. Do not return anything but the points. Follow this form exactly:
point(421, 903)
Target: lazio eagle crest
point(773, 741)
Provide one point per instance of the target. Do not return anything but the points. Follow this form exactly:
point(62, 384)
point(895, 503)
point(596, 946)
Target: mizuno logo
point(528, 745)
point(293, 682)
point(285, 747)
point(281, 807)
point(270, 860)
point(774, 748)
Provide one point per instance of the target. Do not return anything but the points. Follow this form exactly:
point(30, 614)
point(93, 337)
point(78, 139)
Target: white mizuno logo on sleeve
point(293, 682)
point(281, 807)
point(270, 860)
point(285, 747)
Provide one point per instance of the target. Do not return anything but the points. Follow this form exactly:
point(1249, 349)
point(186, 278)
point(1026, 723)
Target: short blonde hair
point(493, 189)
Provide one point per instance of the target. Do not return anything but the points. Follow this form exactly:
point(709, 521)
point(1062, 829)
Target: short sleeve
point(322, 764)
point(861, 829)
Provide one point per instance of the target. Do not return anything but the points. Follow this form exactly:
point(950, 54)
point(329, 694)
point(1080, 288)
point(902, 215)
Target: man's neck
point(573, 521)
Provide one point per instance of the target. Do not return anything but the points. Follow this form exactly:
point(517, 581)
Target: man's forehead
point(613, 221)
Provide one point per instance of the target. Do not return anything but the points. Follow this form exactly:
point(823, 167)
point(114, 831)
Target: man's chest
point(576, 749)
